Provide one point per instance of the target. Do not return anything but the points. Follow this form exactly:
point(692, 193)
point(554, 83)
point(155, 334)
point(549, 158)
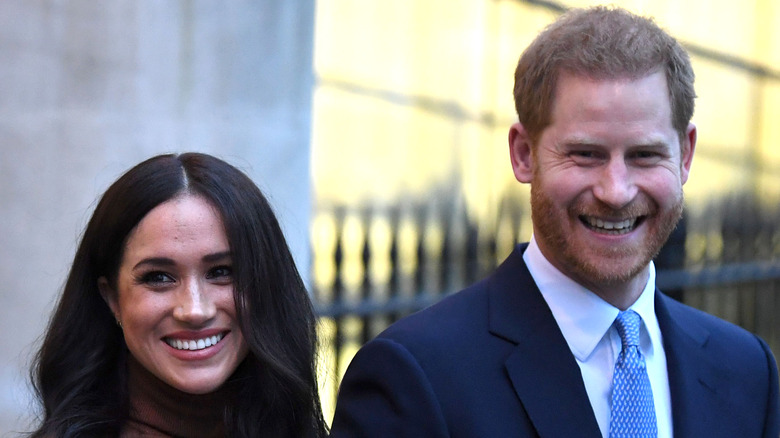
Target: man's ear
point(686, 153)
point(109, 296)
point(520, 153)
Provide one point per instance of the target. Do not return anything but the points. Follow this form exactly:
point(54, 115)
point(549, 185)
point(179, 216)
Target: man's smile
point(611, 226)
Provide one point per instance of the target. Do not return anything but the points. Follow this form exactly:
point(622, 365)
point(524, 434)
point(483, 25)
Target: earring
point(119, 323)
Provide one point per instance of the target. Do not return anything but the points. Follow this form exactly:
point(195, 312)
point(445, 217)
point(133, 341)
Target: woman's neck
point(158, 409)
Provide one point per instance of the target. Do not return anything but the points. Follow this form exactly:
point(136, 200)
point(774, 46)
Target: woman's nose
point(194, 305)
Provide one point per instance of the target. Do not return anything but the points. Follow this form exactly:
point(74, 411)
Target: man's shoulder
point(690, 317)
point(724, 338)
point(733, 365)
point(466, 311)
point(454, 316)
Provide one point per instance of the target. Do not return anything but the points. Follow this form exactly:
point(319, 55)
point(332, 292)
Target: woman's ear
point(109, 296)
point(520, 153)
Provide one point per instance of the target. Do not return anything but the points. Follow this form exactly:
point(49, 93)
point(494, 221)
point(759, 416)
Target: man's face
point(606, 180)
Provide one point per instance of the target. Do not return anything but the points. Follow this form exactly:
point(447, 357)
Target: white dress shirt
point(586, 323)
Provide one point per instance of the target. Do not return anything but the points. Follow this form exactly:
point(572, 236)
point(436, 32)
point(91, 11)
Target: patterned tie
point(633, 412)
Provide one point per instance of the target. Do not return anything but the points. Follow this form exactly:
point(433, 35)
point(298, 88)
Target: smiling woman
point(174, 295)
point(183, 315)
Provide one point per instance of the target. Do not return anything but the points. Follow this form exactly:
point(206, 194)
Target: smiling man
point(569, 336)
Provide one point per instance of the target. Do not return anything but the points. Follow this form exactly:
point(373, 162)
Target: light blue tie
point(633, 411)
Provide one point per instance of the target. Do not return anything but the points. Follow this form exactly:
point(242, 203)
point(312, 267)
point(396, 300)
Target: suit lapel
point(692, 375)
point(542, 369)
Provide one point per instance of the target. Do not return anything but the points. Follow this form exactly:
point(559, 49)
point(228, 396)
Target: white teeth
point(197, 344)
point(620, 227)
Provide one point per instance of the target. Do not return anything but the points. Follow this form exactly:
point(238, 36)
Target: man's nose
point(616, 186)
point(194, 305)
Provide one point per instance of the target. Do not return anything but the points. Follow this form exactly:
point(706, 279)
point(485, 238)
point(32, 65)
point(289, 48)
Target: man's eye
point(646, 157)
point(585, 157)
point(645, 154)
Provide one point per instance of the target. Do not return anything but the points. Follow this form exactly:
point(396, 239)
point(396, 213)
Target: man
point(569, 336)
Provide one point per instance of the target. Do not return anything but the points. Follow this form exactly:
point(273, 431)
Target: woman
point(183, 315)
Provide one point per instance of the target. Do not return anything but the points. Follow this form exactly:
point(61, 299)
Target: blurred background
point(377, 128)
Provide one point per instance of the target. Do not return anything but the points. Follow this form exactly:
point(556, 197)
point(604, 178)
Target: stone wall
point(88, 89)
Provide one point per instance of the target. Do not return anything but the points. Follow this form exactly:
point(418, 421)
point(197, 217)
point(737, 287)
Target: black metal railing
point(384, 264)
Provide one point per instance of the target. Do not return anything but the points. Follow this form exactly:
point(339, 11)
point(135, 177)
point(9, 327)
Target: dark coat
point(490, 361)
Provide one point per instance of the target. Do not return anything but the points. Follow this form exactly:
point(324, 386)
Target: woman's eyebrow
point(217, 256)
point(155, 261)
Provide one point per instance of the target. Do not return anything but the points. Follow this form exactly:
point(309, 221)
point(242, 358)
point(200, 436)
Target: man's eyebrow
point(589, 143)
point(579, 140)
point(651, 144)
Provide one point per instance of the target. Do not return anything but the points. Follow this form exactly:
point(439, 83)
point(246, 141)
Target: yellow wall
point(415, 97)
point(412, 95)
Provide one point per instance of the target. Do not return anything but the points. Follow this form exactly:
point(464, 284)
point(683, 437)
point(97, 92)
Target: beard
point(560, 230)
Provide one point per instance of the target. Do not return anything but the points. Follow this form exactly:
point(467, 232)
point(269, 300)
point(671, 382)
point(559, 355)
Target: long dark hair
point(78, 373)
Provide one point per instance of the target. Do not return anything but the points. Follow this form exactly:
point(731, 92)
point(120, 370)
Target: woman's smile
point(193, 344)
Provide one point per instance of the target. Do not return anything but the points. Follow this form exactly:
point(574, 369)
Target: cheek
point(227, 304)
point(664, 188)
point(141, 314)
point(564, 188)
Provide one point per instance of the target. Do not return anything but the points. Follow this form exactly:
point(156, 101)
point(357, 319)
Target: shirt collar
point(583, 316)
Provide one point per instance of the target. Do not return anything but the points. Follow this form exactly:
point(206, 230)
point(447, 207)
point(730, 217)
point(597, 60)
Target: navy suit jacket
point(490, 361)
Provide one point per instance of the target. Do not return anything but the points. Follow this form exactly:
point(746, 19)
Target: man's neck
point(619, 292)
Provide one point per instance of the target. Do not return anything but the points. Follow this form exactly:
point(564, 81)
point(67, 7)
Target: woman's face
point(174, 296)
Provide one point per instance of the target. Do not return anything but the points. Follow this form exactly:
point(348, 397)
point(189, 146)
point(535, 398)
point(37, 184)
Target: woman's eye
point(156, 278)
point(221, 273)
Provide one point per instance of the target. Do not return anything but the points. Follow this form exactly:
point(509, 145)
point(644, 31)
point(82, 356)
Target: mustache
point(640, 206)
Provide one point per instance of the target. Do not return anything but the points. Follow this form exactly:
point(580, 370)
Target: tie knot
point(627, 324)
